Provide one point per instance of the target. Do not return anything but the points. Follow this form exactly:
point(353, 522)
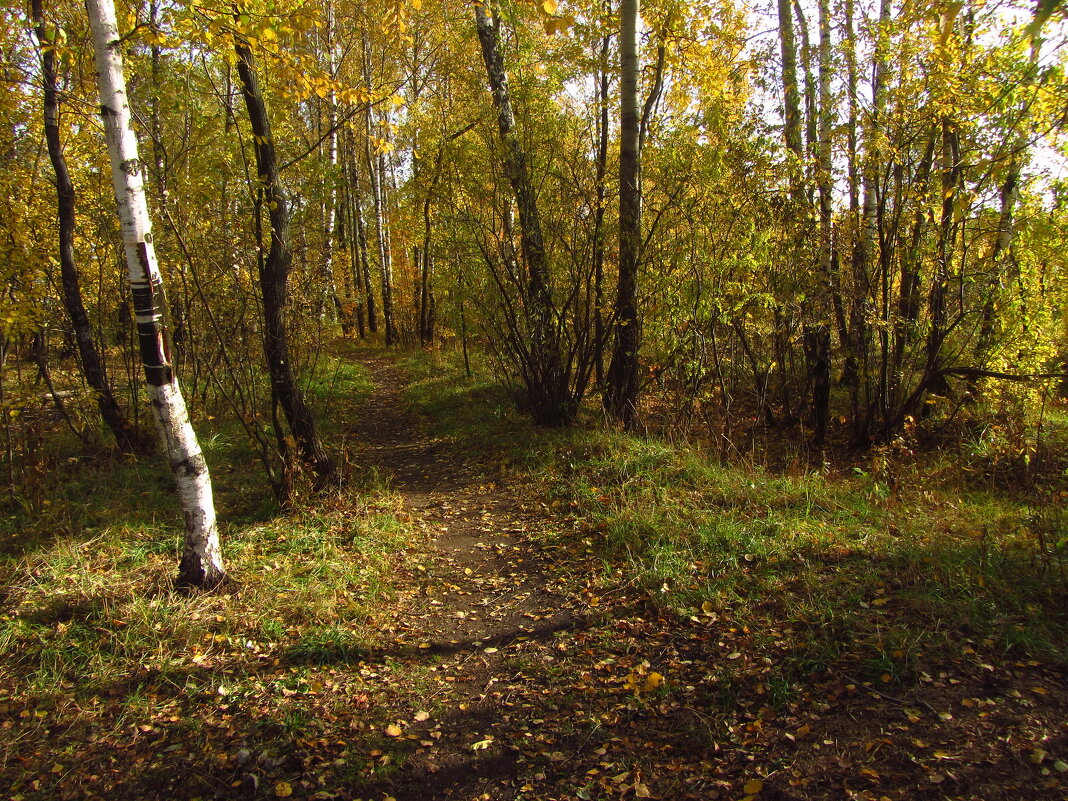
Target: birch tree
point(544, 373)
point(201, 565)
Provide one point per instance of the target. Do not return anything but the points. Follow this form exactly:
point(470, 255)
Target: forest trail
point(520, 666)
point(482, 583)
point(459, 631)
point(484, 599)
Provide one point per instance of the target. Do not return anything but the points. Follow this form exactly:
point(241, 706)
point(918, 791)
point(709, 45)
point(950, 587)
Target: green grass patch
point(96, 647)
point(885, 564)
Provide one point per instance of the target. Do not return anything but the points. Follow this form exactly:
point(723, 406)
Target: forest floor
point(503, 656)
point(549, 686)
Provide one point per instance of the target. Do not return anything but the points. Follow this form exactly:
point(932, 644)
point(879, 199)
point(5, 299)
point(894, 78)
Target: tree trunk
point(936, 301)
point(547, 381)
point(361, 270)
point(201, 564)
point(621, 390)
point(330, 215)
point(274, 274)
point(820, 335)
point(791, 94)
point(375, 170)
point(127, 437)
point(1002, 259)
point(811, 106)
point(426, 264)
point(864, 235)
point(598, 221)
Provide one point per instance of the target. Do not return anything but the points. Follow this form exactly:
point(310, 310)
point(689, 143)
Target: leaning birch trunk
point(546, 374)
point(201, 564)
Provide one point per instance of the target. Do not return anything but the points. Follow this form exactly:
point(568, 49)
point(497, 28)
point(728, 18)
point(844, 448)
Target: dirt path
point(485, 601)
point(511, 674)
point(484, 583)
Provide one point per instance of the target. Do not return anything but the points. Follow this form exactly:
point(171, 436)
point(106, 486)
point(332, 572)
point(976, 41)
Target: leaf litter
point(510, 664)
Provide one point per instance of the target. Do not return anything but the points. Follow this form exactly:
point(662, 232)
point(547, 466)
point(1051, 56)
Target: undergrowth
point(92, 636)
point(889, 564)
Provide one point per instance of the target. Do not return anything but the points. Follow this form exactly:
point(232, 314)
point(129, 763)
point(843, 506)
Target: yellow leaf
point(421, 715)
point(397, 100)
point(753, 786)
point(549, 6)
point(393, 730)
point(652, 681)
point(708, 607)
point(283, 790)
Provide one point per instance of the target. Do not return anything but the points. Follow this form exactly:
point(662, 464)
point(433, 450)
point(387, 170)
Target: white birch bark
point(201, 564)
point(330, 212)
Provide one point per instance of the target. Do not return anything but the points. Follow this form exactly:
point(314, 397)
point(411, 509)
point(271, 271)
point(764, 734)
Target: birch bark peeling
point(201, 564)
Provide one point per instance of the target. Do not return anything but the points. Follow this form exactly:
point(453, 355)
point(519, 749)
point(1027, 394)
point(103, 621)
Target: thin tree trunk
point(330, 212)
point(598, 222)
point(40, 356)
point(621, 390)
point(463, 318)
point(791, 96)
point(274, 274)
point(811, 108)
point(426, 265)
point(1002, 259)
point(375, 173)
point(865, 233)
point(201, 564)
point(361, 270)
point(547, 386)
point(936, 302)
point(908, 300)
point(851, 309)
point(820, 334)
point(345, 299)
point(127, 437)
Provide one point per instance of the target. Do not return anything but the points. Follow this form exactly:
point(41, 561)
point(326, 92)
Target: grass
point(100, 663)
point(92, 639)
point(899, 559)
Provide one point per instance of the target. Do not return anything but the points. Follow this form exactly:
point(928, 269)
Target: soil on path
point(483, 583)
point(522, 672)
point(486, 599)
